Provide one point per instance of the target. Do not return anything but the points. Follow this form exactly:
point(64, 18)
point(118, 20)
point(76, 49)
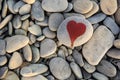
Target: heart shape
point(75, 30)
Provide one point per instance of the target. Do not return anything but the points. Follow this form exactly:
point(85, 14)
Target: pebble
point(29, 1)
point(108, 8)
point(11, 76)
point(2, 47)
point(15, 61)
point(18, 5)
point(106, 68)
point(3, 72)
point(41, 38)
point(93, 11)
point(47, 47)
point(55, 20)
point(59, 68)
point(4, 10)
point(82, 6)
point(38, 77)
point(16, 42)
point(20, 32)
point(66, 15)
point(42, 23)
point(35, 30)
point(117, 15)
point(36, 54)
point(100, 43)
point(3, 60)
point(50, 77)
point(27, 52)
point(99, 76)
point(114, 53)
point(16, 22)
point(54, 5)
point(25, 25)
point(32, 38)
point(78, 58)
point(33, 70)
point(85, 74)
point(25, 9)
point(69, 8)
point(89, 68)
point(37, 12)
point(96, 18)
point(10, 28)
point(67, 34)
point(117, 43)
point(11, 4)
point(5, 21)
point(48, 33)
point(76, 70)
point(24, 17)
point(111, 24)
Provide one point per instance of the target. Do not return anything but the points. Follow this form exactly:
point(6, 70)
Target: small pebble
point(2, 47)
point(11, 4)
point(24, 17)
point(42, 23)
point(25, 25)
point(117, 15)
point(29, 1)
point(38, 77)
point(99, 76)
point(20, 32)
point(25, 9)
point(16, 22)
point(117, 43)
point(3, 60)
point(3, 72)
point(66, 15)
point(41, 38)
point(4, 10)
point(69, 8)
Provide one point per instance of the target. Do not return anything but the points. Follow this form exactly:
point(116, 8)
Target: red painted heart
point(75, 30)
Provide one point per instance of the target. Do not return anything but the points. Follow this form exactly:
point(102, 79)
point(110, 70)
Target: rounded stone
point(82, 6)
point(117, 16)
point(54, 5)
point(3, 60)
point(60, 68)
point(25, 9)
point(117, 43)
point(15, 61)
point(108, 7)
point(29, 1)
point(16, 42)
point(3, 72)
point(33, 70)
point(2, 47)
point(54, 21)
point(99, 76)
point(47, 47)
point(64, 35)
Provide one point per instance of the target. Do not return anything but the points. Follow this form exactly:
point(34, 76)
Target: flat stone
point(89, 68)
point(55, 20)
point(2, 47)
point(38, 77)
point(78, 58)
point(16, 42)
point(114, 53)
point(17, 22)
point(54, 5)
point(25, 25)
point(3, 60)
point(11, 4)
point(10, 28)
point(76, 70)
point(73, 36)
point(85, 74)
point(41, 38)
point(93, 11)
point(108, 8)
point(35, 30)
point(3, 72)
point(20, 32)
point(11, 76)
point(117, 43)
point(47, 47)
point(82, 6)
point(48, 33)
point(42, 23)
point(15, 61)
point(5, 21)
point(4, 10)
point(96, 18)
point(25, 17)
point(18, 5)
point(33, 70)
point(66, 15)
point(27, 52)
point(69, 8)
point(111, 24)
point(25, 9)
point(29, 1)
point(60, 68)
point(100, 43)
point(99, 76)
point(117, 15)
point(37, 12)
point(107, 68)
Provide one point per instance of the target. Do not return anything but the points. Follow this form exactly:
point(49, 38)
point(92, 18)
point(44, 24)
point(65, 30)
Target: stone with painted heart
point(74, 31)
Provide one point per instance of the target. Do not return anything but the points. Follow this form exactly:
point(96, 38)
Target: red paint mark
point(75, 30)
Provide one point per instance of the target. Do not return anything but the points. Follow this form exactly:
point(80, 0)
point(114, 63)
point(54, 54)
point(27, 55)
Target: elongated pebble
point(2, 47)
point(117, 43)
point(5, 21)
point(41, 38)
point(18, 5)
point(42, 23)
point(11, 4)
point(38, 77)
point(66, 15)
point(69, 8)
point(99, 76)
point(25, 25)
point(24, 17)
point(17, 22)
point(5, 8)
point(10, 28)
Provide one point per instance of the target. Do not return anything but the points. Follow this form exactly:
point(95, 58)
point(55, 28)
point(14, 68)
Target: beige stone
point(29, 1)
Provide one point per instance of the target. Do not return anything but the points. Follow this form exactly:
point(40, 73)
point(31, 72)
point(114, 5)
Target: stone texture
point(54, 5)
point(108, 7)
point(99, 76)
point(3, 72)
point(11, 4)
point(82, 6)
point(33, 70)
point(98, 45)
point(3, 60)
point(60, 68)
point(107, 68)
point(47, 47)
point(117, 15)
point(17, 22)
point(15, 61)
point(25, 9)
point(2, 47)
point(29, 1)
point(16, 42)
point(117, 43)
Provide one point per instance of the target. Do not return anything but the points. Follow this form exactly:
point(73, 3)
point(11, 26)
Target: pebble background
point(59, 39)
